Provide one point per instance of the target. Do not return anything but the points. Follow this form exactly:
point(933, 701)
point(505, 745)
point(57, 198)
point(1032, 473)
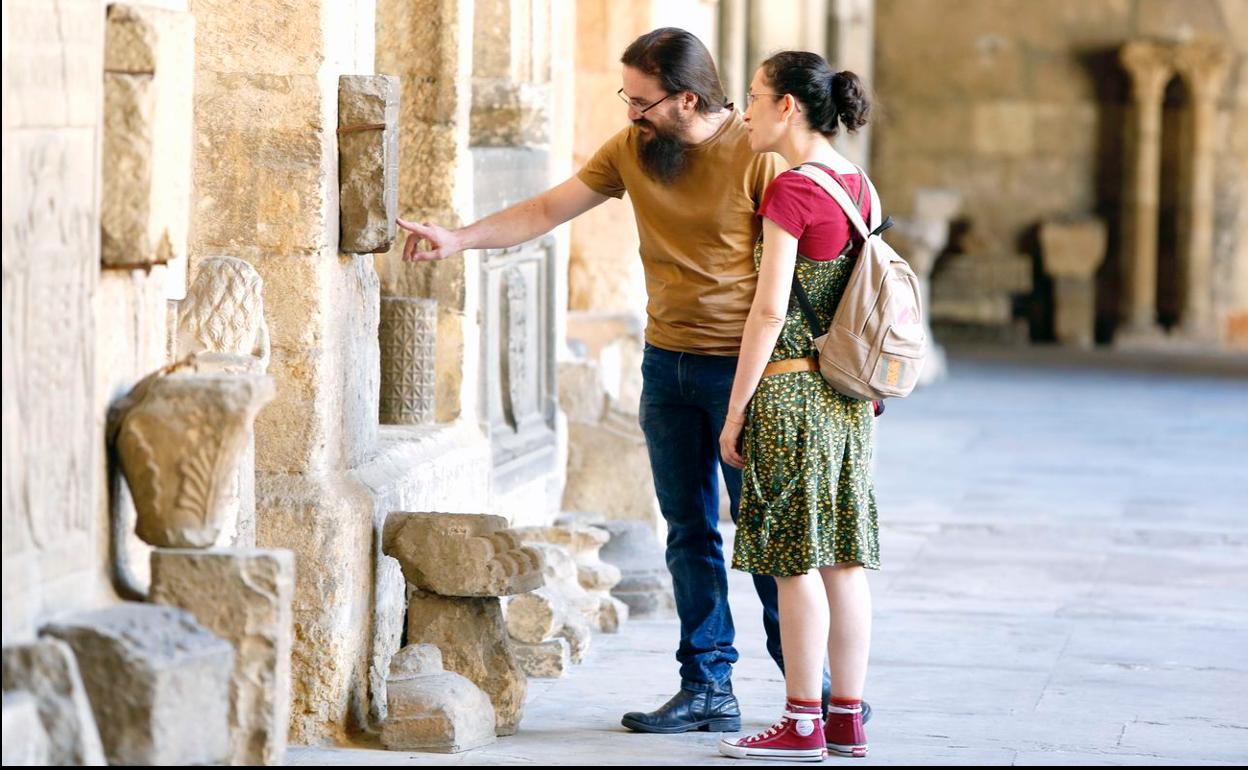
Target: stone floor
point(1065, 581)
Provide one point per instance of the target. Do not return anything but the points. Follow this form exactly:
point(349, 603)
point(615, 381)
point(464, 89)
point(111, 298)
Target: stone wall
point(1023, 108)
point(78, 334)
point(266, 191)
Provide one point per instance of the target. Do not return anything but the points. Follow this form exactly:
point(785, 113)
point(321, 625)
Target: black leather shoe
point(713, 711)
point(827, 696)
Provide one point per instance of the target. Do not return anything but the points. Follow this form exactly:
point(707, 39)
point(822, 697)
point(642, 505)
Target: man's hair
point(680, 62)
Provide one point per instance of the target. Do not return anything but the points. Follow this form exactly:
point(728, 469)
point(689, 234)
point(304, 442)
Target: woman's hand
point(730, 442)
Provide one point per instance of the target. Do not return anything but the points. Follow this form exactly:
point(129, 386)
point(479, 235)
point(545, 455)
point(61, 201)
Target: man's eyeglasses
point(633, 102)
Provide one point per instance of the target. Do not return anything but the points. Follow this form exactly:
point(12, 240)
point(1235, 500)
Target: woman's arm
point(762, 328)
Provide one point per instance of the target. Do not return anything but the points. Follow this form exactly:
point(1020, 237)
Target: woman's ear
point(790, 106)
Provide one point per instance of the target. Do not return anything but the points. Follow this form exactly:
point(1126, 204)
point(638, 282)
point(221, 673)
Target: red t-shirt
point(805, 210)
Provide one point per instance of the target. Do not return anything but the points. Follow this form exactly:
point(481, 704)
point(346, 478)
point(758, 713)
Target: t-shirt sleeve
point(602, 172)
point(765, 168)
point(787, 202)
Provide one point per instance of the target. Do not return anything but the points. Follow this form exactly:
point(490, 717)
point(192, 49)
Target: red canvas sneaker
point(843, 731)
point(798, 737)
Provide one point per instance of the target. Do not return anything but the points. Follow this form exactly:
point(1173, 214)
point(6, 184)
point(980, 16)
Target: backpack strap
point(841, 196)
point(829, 183)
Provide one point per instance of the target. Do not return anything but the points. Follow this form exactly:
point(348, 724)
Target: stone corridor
point(1065, 556)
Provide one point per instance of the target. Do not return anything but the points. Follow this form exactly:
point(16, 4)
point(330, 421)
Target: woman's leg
point(849, 637)
point(803, 634)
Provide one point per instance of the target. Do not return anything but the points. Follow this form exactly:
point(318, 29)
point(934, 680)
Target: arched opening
point(1170, 212)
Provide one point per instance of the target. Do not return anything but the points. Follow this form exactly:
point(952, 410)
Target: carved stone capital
point(1150, 66)
point(179, 434)
point(454, 554)
point(1204, 66)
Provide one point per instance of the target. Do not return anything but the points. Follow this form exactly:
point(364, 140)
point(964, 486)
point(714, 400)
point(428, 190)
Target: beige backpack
point(876, 343)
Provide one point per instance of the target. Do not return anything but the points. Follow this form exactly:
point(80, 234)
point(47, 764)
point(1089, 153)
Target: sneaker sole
point(796, 755)
point(707, 725)
point(847, 751)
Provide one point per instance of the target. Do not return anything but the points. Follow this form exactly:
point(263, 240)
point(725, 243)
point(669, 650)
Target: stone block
point(25, 742)
point(455, 554)
point(180, 436)
point(430, 709)
point(581, 393)
point(327, 521)
point(1003, 128)
point(368, 162)
point(148, 77)
point(509, 114)
point(244, 597)
point(621, 363)
point(408, 334)
point(550, 659)
point(1074, 311)
point(645, 583)
point(609, 472)
point(46, 671)
point(158, 680)
point(472, 636)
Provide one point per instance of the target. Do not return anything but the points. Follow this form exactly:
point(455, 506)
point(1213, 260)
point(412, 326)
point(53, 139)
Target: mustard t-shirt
point(697, 234)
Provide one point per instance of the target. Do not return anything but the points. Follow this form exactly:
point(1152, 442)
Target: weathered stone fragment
point(148, 76)
point(244, 597)
point(47, 672)
point(536, 616)
point(25, 742)
point(368, 161)
point(461, 554)
point(180, 437)
point(472, 636)
point(222, 322)
point(645, 583)
point(550, 659)
point(430, 709)
point(408, 333)
point(224, 313)
point(157, 680)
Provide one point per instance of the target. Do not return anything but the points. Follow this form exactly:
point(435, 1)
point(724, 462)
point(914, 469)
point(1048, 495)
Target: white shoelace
point(778, 726)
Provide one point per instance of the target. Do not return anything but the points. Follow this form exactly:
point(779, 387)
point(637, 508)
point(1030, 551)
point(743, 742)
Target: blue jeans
point(684, 398)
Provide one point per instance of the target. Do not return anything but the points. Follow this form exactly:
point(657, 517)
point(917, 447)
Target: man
point(695, 186)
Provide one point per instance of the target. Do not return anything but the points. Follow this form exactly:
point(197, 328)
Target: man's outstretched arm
point(522, 222)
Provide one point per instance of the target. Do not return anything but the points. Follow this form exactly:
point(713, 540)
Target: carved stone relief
point(408, 333)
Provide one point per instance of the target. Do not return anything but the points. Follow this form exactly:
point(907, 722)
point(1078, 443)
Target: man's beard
point(665, 154)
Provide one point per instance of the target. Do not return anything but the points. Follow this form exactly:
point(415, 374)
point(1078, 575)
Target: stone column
point(1150, 68)
point(266, 191)
point(1072, 252)
point(851, 46)
point(1204, 66)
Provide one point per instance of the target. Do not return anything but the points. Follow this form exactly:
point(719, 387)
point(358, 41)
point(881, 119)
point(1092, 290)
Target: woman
point(807, 513)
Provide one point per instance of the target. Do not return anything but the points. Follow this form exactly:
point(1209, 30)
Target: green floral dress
point(806, 494)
